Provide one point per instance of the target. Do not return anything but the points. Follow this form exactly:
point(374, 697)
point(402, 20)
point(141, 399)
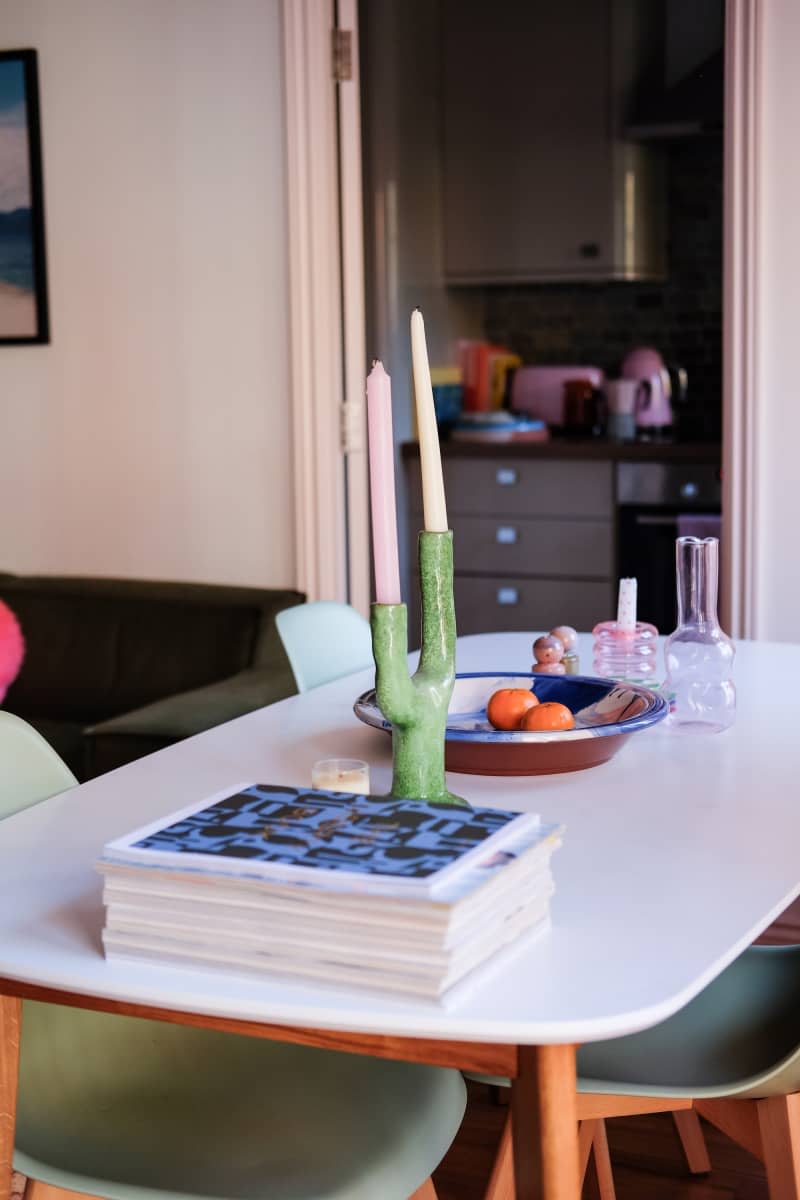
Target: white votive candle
point(340, 775)
point(626, 606)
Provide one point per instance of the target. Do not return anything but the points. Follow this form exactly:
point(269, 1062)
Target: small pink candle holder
point(622, 653)
point(626, 648)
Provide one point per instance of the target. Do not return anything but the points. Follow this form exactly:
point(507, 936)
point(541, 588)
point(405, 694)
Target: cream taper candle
point(433, 504)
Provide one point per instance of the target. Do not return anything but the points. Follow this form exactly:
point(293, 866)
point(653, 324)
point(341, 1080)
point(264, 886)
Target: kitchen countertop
point(587, 448)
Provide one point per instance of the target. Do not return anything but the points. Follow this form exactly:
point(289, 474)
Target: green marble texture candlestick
point(416, 706)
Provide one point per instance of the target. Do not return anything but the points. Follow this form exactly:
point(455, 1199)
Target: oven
point(657, 502)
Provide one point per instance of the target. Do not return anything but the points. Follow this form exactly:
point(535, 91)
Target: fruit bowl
point(606, 714)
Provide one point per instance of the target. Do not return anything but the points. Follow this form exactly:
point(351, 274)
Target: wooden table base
point(544, 1118)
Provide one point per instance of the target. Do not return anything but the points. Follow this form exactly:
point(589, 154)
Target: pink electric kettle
point(654, 394)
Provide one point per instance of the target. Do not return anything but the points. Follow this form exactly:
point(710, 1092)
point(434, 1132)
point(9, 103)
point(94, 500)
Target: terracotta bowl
point(606, 714)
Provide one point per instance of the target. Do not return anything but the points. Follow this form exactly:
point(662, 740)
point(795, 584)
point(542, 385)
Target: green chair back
point(30, 769)
point(323, 641)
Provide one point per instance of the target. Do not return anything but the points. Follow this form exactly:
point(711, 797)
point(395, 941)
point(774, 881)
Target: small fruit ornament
point(12, 649)
point(548, 651)
point(569, 639)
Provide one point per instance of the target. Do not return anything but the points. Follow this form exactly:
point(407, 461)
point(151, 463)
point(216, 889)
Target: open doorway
point(556, 196)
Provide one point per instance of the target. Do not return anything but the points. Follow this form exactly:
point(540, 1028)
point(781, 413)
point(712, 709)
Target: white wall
point(151, 438)
point(778, 412)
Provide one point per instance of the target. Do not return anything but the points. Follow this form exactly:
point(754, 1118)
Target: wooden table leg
point(545, 1124)
point(10, 1021)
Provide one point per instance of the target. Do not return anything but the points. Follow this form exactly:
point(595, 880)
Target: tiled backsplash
point(598, 323)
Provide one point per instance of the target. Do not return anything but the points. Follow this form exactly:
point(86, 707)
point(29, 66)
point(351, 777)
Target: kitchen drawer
point(511, 603)
point(522, 487)
point(534, 546)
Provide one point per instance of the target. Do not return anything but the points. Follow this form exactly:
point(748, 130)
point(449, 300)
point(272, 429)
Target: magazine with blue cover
point(342, 841)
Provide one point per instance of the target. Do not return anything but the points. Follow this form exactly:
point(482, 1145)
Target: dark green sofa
point(117, 668)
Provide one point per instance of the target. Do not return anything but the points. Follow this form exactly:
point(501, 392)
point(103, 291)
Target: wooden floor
point(645, 1152)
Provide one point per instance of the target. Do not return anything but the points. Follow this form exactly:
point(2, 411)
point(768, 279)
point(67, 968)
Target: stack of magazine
point(404, 896)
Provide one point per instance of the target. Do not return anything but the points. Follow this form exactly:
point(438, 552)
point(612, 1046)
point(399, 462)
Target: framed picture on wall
point(23, 278)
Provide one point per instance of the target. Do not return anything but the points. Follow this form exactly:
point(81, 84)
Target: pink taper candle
point(381, 485)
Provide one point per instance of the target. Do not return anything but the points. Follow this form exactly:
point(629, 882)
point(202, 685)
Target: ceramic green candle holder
point(416, 706)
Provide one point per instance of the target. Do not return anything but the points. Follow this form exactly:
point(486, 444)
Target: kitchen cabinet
point(533, 541)
point(538, 182)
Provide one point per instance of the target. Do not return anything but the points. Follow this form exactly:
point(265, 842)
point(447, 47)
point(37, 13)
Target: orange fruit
point(550, 715)
point(507, 707)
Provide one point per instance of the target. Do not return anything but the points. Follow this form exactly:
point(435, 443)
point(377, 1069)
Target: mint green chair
point(732, 1055)
point(132, 1109)
point(324, 640)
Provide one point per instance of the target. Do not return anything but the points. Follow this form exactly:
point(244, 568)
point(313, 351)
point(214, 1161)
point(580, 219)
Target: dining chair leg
point(586, 1132)
point(501, 1180)
point(426, 1192)
point(690, 1133)
point(779, 1122)
point(602, 1162)
point(10, 1022)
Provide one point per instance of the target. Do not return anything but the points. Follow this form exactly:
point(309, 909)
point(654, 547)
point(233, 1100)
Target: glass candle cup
point(340, 775)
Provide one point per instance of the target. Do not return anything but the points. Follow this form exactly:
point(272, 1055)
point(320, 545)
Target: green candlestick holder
point(416, 705)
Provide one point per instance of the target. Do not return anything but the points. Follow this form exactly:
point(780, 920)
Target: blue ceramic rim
point(366, 709)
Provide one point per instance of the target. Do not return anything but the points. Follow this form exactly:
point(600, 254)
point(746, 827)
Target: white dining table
point(677, 853)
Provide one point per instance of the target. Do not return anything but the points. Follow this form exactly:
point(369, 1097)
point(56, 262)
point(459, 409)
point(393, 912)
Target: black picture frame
point(24, 317)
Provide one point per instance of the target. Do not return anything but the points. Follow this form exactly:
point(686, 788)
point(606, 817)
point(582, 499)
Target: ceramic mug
point(621, 426)
point(621, 395)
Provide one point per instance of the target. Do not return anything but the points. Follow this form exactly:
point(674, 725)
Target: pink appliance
point(540, 390)
point(654, 393)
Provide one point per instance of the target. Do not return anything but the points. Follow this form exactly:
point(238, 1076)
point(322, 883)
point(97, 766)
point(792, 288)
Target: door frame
point(742, 354)
point(351, 206)
point(327, 311)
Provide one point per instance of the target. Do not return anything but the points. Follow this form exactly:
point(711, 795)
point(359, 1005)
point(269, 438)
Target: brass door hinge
point(342, 54)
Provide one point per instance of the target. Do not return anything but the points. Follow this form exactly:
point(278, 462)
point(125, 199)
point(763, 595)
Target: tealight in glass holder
point(340, 775)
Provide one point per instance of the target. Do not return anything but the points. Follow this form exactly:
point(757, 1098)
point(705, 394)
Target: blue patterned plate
point(606, 714)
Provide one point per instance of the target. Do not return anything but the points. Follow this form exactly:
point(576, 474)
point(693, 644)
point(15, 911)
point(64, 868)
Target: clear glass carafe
point(698, 655)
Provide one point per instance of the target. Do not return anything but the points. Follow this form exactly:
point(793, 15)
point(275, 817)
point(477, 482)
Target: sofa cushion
point(133, 734)
point(100, 647)
point(111, 751)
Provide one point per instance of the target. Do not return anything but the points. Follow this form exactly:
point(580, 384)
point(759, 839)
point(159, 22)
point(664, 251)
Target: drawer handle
point(506, 535)
point(506, 476)
point(507, 595)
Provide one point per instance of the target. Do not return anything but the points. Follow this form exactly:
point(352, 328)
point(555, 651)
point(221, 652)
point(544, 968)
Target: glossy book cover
point(286, 834)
